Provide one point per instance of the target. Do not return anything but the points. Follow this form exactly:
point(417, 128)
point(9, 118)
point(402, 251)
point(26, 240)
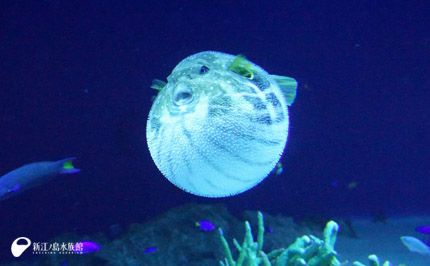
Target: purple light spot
point(150, 250)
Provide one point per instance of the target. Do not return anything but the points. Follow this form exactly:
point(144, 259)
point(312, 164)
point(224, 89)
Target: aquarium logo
point(19, 248)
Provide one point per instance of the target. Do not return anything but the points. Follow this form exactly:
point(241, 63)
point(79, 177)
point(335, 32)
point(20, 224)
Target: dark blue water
point(75, 81)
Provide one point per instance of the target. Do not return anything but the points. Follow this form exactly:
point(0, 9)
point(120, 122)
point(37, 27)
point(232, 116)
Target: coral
point(373, 261)
point(175, 240)
point(306, 250)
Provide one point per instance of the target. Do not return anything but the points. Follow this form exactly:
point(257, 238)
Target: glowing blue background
point(75, 77)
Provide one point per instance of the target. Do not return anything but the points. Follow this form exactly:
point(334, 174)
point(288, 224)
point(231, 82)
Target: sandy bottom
point(384, 241)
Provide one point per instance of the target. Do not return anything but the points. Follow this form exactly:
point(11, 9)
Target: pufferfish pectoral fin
point(242, 67)
point(288, 87)
point(158, 84)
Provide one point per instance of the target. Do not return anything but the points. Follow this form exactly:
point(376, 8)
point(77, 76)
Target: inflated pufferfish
point(220, 124)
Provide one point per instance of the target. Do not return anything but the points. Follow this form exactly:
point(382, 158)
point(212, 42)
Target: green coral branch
point(305, 251)
point(260, 237)
point(373, 261)
point(229, 258)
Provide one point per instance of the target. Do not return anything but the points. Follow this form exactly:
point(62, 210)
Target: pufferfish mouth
point(182, 96)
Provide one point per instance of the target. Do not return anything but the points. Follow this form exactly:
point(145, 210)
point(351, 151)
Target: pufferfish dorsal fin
point(288, 87)
point(158, 84)
point(242, 67)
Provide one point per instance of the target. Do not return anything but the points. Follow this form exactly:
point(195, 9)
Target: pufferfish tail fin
point(288, 87)
point(158, 84)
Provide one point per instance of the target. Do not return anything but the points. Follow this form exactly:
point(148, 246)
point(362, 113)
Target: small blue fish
point(32, 175)
point(415, 245)
point(205, 225)
point(86, 247)
point(149, 250)
point(425, 229)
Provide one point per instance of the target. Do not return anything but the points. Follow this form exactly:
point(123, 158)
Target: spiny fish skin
point(216, 132)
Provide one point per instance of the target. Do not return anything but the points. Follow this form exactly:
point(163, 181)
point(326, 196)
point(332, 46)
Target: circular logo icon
point(18, 249)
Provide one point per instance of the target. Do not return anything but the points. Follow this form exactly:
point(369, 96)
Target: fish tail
point(67, 166)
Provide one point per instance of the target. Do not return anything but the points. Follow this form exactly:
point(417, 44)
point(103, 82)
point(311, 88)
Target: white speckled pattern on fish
point(213, 132)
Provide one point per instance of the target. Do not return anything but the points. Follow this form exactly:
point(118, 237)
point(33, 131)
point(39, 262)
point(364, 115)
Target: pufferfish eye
point(204, 70)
